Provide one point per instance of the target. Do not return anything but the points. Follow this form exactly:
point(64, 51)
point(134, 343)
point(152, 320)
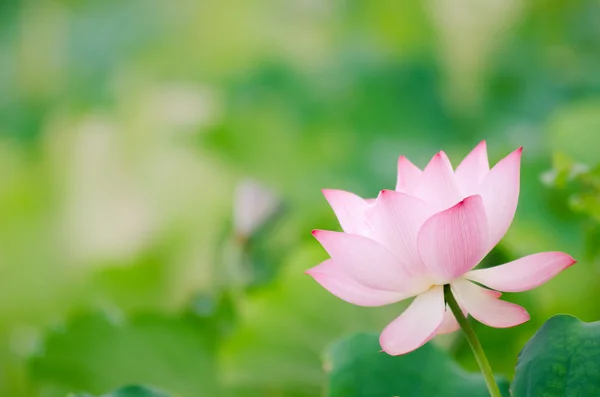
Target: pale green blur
point(125, 127)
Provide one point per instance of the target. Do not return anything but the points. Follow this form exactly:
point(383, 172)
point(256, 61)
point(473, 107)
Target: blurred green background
point(126, 125)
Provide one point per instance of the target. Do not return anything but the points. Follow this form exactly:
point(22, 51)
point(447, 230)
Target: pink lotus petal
point(449, 324)
point(366, 261)
point(523, 274)
point(408, 175)
point(395, 220)
point(416, 325)
point(335, 280)
point(438, 184)
point(486, 307)
point(500, 194)
point(349, 209)
point(451, 242)
point(471, 172)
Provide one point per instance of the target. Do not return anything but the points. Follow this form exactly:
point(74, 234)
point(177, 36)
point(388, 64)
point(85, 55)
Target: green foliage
point(358, 368)
point(95, 94)
point(581, 119)
point(284, 328)
point(561, 360)
point(131, 391)
point(96, 354)
point(578, 186)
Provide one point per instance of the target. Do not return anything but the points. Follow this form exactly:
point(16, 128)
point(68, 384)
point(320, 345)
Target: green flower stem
point(484, 365)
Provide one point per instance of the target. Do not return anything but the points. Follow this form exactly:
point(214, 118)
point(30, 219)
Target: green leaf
point(97, 354)
point(561, 360)
point(358, 368)
point(285, 327)
point(131, 391)
point(579, 118)
point(501, 345)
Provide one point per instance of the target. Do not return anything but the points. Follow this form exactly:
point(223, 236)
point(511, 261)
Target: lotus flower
point(432, 230)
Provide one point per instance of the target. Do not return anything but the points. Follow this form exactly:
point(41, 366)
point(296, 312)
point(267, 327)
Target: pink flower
point(432, 230)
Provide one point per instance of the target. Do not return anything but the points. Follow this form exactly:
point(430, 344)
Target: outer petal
point(335, 280)
point(364, 260)
point(523, 274)
point(438, 184)
point(396, 219)
point(500, 194)
point(485, 306)
point(408, 175)
point(450, 324)
point(349, 209)
point(416, 325)
point(452, 242)
point(471, 172)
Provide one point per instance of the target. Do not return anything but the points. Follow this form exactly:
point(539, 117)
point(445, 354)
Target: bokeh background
point(142, 141)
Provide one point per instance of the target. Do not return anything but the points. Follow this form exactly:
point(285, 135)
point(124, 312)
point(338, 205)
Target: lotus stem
point(482, 360)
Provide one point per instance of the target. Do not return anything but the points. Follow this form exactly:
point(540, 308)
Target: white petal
point(438, 184)
point(524, 273)
point(334, 279)
point(417, 325)
point(485, 306)
point(450, 324)
point(471, 172)
point(451, 242)
point(500, 194)
point(408, 176)
point(395, 219)
point(365, 260)
point(349, 209)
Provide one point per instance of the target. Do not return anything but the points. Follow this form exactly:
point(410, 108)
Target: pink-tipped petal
point(523, 274)
point(451, 242)
point(335, 280)
point(471, 172)
point(487, 308)
point(449, 324)
point(416, 325)
point(500, 194)
point(395, 220)
point(349, 209)
point(438, 184)
point(408, 175)
point(364, 260)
